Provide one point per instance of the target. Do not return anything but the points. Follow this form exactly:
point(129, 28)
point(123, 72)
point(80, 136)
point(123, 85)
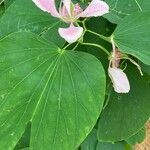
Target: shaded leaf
point(90, 142)
point(132, 36)
point(137, 138)
point(23, 15)
point(126, 114)
point(121, 8)
point(110, 146)
point(25, 139)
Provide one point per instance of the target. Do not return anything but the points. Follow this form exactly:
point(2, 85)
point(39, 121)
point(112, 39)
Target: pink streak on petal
point(119, 79)
point(67, 4)
point(48, 6)
point(95, 8)
point(63, 12)
point(71, 34)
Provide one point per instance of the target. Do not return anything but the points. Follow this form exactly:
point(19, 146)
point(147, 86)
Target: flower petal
point(48, 6)
point(95, 8)
point(119, 79)
point(67, 4)
point(63, 12)
point(71, 34)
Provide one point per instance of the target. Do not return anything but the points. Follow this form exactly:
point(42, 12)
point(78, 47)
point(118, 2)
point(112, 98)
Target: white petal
point(119, 79)
point(48, 6)
point(95, 8)
point(71, 34)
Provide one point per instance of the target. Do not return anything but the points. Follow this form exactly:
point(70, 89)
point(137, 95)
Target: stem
point(75, 46)
point(99, 35)
point(67, 46)
point(98, 46)
point(84, 26)
point(135, 63)
point(113, 47)
point(113, 61)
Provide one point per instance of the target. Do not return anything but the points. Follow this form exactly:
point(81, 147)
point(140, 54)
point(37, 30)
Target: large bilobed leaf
point(121, 8)
point(132, 36)
point(60, 92)
point(126, 114)
point(24, 15)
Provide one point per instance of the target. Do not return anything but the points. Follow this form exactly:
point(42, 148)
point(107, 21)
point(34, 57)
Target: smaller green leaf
point(122, 8)
point(127, 113)
point(137, 138)
point(25, 139)
point(145, 68)
point(28, 17)
point(25, 148)
point(110, 146)
point(8, 3)
point(1, 1)
point(2, 8)
point(132, 36)
point(51, 34)
point(90, 142)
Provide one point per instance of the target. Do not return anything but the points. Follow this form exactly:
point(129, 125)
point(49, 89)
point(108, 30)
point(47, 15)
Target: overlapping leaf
point(23, 15)
point(121, 8)
point(126, 114)
point(132, 36)
point(137, 138)
point(91, 141)
point(60, 92)
point(110, 146)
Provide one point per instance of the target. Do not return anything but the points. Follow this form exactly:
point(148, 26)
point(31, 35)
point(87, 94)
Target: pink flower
point(117, 76)
point(69, 13)
point(119, 80)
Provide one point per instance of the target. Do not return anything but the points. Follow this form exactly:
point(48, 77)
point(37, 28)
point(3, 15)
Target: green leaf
point(90, 142)
point(1, 1)
point(25, 139)
point(24, 15)
point(51, 34)
point(145, 68)
point(121, 8)
point(2, 8)
point(132, 36)
point(137, 138)
point(110, 146)
point(102, 26)
point(60, 92)
point(8, 3)
point(24, 149)
point(126, 114)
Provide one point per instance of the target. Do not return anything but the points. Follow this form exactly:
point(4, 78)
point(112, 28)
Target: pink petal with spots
point(119, 79)
point(48, 6)
point(71, 34)
point(95, 8)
